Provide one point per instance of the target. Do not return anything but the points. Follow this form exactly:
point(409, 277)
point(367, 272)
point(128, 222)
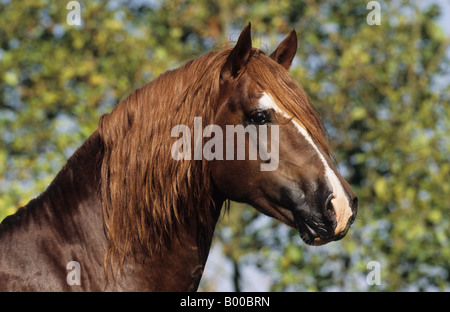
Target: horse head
point(303, 189)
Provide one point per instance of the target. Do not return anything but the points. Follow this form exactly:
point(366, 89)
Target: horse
point(124, 215)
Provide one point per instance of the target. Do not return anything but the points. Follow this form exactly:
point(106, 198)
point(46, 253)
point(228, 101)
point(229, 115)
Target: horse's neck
point(61, 225)
point(180, 267)
point(71, 195)
point(65, 224)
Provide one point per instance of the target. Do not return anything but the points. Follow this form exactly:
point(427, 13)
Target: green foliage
point(383, 92)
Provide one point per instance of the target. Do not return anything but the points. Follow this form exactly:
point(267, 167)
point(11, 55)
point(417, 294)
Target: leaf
point(380, 188)
point(11, 78)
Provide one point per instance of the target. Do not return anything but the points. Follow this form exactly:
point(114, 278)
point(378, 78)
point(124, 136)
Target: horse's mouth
point(313, 235)
point(307, 233)
point(310, 232)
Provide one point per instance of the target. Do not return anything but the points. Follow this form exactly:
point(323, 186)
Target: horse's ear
point(285, 52)
point(239, 56)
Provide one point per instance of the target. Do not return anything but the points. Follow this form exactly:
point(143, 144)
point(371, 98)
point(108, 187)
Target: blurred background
point(383, 92)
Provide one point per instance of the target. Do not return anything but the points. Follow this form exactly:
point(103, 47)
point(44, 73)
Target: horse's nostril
point(328, 204)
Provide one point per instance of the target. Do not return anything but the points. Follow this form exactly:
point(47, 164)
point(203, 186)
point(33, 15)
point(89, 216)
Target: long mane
point(146, 195)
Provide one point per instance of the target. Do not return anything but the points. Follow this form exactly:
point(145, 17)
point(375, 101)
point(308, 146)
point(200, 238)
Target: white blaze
point(340, 202)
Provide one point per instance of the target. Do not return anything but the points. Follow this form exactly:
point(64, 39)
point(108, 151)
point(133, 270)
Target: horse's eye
point(259, 117)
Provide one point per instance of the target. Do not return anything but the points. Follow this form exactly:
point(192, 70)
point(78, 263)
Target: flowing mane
point(143, 209)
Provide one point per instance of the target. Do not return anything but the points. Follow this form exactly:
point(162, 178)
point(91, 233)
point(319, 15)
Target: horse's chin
point(314, 241)
point(320, 241)
point(310, 236)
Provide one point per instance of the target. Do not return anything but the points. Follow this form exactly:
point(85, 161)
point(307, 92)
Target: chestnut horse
point(124, 215)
